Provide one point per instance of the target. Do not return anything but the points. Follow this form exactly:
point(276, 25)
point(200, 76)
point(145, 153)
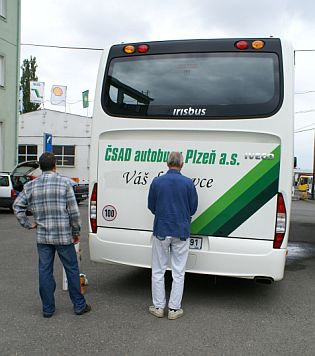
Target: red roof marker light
point(241, 45)
point(143, 48)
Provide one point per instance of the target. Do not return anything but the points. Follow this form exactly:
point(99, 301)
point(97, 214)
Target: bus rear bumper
point(233, 257)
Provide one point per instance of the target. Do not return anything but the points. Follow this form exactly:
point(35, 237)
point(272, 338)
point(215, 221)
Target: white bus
point(227, 105)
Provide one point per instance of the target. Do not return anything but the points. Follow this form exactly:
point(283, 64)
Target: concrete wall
point(10, 49)
point(66, 129)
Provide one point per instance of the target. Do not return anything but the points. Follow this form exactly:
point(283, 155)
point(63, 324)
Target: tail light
point(13, 193)
point(93, 209)
point(280, 222)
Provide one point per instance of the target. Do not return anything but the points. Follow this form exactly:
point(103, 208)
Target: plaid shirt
point(51, 199)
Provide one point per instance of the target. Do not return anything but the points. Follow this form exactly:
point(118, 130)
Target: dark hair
point(47, 161)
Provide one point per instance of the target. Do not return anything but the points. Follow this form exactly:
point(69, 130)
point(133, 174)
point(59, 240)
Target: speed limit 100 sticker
point(109, 213)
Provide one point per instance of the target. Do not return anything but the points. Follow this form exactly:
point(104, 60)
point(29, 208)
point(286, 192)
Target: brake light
point(93, 209)
point(280, 222)
point(13, 193)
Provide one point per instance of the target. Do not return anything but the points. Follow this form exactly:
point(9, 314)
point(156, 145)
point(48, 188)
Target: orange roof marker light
point(258, 44)
point(129, 49)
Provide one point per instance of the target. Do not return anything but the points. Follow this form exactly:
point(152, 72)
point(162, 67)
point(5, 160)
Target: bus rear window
point(193, 86)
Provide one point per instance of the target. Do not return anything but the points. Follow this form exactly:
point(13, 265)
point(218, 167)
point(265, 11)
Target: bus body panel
point(226, 257)
point(236, 176)
point(240, 253)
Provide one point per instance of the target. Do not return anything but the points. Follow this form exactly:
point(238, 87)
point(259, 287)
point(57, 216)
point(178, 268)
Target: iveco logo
point(257, 155)
point(189, 112)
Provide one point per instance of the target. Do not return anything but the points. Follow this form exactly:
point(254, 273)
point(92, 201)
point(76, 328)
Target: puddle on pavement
point(299, 252)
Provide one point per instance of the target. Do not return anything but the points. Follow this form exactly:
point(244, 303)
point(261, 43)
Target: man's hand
point(76, 239)
point(34, 226)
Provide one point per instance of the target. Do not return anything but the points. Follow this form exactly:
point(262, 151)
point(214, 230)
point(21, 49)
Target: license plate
point(195, 243)
point(84, 195)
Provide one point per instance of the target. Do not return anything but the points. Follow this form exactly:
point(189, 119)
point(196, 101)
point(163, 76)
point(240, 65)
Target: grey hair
point(175, 159)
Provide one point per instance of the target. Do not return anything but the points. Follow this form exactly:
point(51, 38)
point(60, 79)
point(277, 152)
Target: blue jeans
point(47, 284)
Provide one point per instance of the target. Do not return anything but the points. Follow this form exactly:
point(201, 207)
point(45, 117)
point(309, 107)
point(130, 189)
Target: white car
point(11, 183)
point(7, 192)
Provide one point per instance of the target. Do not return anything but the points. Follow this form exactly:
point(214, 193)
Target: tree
point(28, 74)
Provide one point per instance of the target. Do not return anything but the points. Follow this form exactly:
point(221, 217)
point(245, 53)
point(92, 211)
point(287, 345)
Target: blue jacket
point(173, 200)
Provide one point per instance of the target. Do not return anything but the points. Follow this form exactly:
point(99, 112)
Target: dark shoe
point(47, 315)
point(86, 309)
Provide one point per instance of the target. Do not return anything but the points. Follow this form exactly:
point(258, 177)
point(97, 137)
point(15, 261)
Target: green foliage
point(28, 74)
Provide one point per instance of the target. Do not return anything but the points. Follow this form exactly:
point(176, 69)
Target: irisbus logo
point(189, 112)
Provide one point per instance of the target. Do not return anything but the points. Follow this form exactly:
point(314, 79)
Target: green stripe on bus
point(251, 208)
point(242, 201)
point(258, 179)
point(243, 206)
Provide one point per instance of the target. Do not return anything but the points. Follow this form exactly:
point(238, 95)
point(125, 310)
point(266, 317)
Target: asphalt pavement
point(223, 316)
point(303, 221)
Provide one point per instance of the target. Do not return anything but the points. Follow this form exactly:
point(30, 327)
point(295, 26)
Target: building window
point(27, 153)
point(1, 71)
point(65, 155)
point(3, 8)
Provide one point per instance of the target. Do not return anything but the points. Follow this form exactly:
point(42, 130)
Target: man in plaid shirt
point(51, 199)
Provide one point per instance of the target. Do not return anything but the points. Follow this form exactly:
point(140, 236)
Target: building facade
point(9, 80)
point(71, 135)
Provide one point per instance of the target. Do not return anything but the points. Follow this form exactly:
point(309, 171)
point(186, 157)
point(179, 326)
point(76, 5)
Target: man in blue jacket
point(173, 200)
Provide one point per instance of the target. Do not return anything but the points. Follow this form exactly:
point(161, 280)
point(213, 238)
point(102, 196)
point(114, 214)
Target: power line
point(68, 102)
point(101, 49)
point(304, 50)
point(305, 92)
point(304, 127)
point(304, 111)
point(312, 129)
point(63, 47)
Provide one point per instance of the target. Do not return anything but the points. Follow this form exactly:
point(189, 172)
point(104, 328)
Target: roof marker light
point(258, 44)
point(129, 49)
point(241, 44)
point(143, 48)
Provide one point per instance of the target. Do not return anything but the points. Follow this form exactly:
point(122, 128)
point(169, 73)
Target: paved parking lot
point(224, 316)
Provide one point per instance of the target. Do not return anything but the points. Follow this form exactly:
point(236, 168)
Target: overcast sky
point(101, 23)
